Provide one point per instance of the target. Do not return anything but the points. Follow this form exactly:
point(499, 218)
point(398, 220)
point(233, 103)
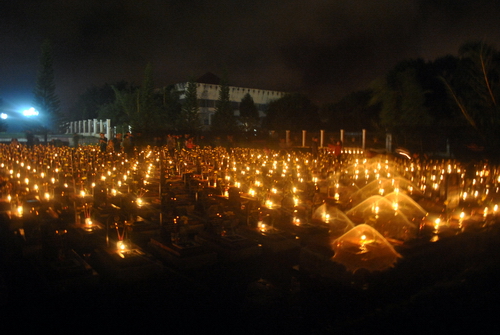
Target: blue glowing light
point(30, 112)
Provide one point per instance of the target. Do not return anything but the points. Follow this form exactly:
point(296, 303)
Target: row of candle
point(267, 175)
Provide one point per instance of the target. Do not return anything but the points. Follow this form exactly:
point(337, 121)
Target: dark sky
point(324, 48)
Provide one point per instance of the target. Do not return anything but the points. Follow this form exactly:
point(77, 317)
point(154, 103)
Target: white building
point(208, 88)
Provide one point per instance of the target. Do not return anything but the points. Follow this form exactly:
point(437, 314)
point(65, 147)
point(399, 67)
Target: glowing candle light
point(461, 219)
point(437, 223)
point(120, 245)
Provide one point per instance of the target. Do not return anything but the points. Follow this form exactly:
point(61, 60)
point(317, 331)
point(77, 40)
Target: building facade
point(208, 89)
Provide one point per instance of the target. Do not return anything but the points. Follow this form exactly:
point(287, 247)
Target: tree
point(401, 97)
point(45, 98)
point(145, 119)
point(223, 120)
point(438, 101)
point(88, 104)
point(124, 105)
point(352, 112)
point(249, 115)
point(292, 112)
point(189, 121)
point(171, 107)
point(474, 86)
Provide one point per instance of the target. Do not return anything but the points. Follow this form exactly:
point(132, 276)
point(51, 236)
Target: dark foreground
point(447, 286)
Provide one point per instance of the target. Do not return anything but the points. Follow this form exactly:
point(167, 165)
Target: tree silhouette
point(123, 107)
point(401, 96)
point(352, 112)
point(45, 98)
point(249, 115)
point(474, 87)
point(189, 120)
point(145, 119)
point(88, 104)
point(292, 112)
point(172, 107)
point(223, 120)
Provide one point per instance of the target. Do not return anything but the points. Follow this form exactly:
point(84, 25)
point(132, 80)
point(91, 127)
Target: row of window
point(206, 103)
point(183, 86)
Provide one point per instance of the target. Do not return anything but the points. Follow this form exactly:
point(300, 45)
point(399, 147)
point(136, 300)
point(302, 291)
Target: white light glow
point(30, 112)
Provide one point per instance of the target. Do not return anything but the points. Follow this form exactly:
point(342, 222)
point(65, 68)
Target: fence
point(90, 127)
point(351, 140)
point(359, 140)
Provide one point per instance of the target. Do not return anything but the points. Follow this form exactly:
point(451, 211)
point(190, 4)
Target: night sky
point(323, 48)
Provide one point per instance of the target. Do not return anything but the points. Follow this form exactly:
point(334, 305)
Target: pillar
point(304, 133)
point(108, 129)
point(388, 142)
point(321, 138)
point(364, 139)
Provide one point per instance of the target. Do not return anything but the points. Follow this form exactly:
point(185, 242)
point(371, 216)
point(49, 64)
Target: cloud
point(325, 48)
